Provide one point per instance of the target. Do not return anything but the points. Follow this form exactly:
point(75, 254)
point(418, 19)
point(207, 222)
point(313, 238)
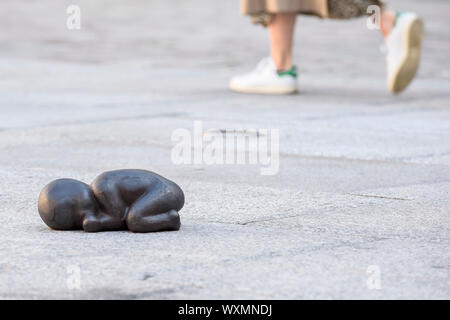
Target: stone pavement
point(364, 180)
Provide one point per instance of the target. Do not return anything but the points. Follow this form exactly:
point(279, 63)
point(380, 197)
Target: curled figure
point(137, 200)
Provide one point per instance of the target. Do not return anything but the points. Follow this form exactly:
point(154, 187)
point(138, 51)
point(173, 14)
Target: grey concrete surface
point(364, 176)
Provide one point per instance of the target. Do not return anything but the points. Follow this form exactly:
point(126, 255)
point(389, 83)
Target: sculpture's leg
point(102, 222)
point(109, 198)
point(154, 212)
point(112, 208)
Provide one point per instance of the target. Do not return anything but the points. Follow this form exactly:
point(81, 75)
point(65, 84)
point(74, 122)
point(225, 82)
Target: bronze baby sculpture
point(139, 200)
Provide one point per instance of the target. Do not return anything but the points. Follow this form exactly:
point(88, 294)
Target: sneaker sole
point(265, 90)
point(407, 69)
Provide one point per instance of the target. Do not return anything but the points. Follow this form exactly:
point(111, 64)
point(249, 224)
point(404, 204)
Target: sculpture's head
point(63, 203)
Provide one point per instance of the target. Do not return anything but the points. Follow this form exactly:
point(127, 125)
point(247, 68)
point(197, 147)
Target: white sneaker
point(404, 45)
point(266, 79)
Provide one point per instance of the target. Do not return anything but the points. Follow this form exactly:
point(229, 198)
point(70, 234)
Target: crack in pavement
point(378, 197)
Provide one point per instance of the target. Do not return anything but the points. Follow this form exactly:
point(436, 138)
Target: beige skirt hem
point(334, 9)
point(315, 7)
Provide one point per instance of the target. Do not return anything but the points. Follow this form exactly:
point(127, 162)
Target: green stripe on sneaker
point(397, 15)
point(291, 72)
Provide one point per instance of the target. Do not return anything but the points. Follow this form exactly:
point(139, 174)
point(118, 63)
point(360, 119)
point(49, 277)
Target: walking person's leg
point(403, 32)
point(276, 74)
point(387, 22)
point(281, 33)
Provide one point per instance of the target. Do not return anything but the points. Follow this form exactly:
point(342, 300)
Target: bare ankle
point(387, 22)
point(282, 63)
